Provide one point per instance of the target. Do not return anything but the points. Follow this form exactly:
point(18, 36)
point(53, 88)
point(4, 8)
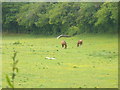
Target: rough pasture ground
point(95, 64)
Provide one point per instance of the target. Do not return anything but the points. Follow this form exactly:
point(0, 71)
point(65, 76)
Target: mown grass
point(95, 64)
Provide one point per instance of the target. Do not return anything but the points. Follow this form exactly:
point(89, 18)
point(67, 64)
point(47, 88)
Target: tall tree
point(107, 17)
point(9, 11)
point(60, 17)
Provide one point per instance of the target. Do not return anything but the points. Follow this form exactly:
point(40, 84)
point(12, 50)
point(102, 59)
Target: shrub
point(73, 30)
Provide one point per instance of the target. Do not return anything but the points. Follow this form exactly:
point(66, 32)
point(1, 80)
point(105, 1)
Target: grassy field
point(95, 64)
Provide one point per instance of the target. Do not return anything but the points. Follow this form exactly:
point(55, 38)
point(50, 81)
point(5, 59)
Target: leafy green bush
point(73, 30)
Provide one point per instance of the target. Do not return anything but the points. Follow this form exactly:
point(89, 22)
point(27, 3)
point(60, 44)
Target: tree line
point(52, 18)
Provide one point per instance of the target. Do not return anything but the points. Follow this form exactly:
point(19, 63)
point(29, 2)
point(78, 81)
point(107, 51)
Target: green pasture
point(93, 65)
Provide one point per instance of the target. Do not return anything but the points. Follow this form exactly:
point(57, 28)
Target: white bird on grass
point(49, 58)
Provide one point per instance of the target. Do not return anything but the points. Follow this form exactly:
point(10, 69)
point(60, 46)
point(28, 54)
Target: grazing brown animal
point(80, 42)
point(64, 44)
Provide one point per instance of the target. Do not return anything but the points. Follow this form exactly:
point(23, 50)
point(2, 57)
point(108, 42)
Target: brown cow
point(80, 42)
point(64, 44)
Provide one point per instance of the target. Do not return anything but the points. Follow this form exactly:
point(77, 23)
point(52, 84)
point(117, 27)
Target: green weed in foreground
point(95, 64)
point(14, 71)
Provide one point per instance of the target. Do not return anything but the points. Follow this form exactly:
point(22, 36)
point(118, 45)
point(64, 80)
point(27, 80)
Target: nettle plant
point(11, 80)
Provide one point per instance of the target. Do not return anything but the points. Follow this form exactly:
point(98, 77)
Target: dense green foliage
point(60, 17)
